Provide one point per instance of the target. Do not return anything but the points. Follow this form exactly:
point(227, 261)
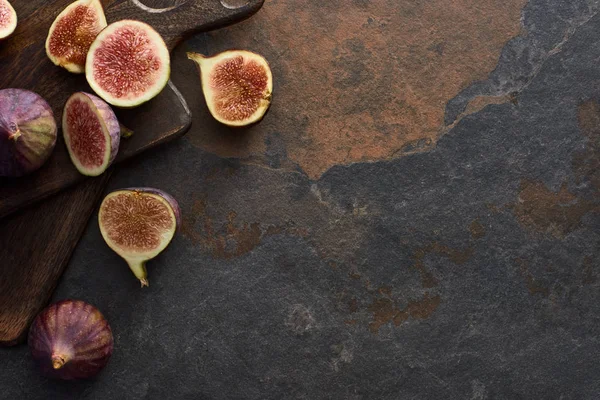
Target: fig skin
point(136, 258)
point(70, 340)
point(27, 132)
point(208, 67)
point(8, 19)
point(107, 40)
point(76, 41)
point(110, 126)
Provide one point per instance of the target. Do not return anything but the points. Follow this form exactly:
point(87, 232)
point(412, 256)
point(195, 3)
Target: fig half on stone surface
point(92, 133)
point(8, 19)
point(27, 132)
point(237, 86)
point(138, 224)
point(128, 64)
point(73, 32)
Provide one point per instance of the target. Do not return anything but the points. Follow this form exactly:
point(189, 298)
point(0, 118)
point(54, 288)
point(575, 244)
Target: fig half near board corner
point(27, 132)
point(70, 340)
point(128, 64)
point(237, 86)
point(92, 133)
point(8, 19)
point(138, 224)
point(72, 33)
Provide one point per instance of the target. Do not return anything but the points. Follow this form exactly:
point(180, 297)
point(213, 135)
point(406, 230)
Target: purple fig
point(73, 32)
point(128, 64)
point(27, 132)
point(237, 86)
point(92, 133)
point(8, 19)
point(138, 224)
point(70, 340)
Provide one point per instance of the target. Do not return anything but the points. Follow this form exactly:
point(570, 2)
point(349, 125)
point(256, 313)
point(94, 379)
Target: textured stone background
point(416, 218)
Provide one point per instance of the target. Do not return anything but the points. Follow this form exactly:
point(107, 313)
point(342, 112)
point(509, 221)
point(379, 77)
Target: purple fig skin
point(112, 124)
point(70, 340)
point(170, 199)
point(107, 115)
point(27, 132)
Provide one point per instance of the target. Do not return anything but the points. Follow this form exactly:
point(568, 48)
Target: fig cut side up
point(138, 224)
point(92, 133)
point(8, 19)
point(73, 32)
point(128, 64)
point(237, 86)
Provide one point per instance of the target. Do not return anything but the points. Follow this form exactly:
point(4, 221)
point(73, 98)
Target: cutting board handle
point(177, 22)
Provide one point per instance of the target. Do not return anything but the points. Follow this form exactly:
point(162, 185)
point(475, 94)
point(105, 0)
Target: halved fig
point(237, 86)
point(128, 64)
point(138, 224)
point(92, 133)
point(73, 32)
point(8, 19)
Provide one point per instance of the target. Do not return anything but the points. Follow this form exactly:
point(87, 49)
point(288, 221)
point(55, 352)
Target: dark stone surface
point(469, 271)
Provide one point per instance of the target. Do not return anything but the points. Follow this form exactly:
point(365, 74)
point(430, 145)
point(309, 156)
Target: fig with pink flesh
point(8, 19)
point(138, 224)
point(92, 133)
point(73, 32)
point(237, 86)
point(70, 340)
point(27, 132)
point(128, 64)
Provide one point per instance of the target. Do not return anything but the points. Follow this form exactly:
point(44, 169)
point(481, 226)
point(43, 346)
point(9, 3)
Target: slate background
point(467, 270)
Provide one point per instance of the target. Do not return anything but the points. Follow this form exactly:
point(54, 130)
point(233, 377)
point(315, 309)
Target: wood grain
point(34, 246)
point(36, 243)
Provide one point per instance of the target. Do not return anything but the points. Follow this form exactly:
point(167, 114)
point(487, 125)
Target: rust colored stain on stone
point(477, 230)
point(353, 305)
point(586, 163)
point(385, 311)
point(364, 81)
point(428, 280)
point(231, 239)
point(542, 210)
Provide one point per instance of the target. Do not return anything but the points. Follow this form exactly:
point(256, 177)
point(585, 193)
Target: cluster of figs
point(126, 63)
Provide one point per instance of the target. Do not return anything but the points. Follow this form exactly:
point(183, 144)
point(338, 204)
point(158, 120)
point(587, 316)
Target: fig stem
point(139, 270)
point(58, 362)
point(125, 131)
point(16, 135)
point(197, 57)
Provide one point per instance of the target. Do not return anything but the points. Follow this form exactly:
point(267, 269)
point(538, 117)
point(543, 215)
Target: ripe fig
point(73, 32)
point(70, 340)
point(128, 64)
point(138, 224)
point(237, 86)
point(27, 132)
point(92, 133)
point(8, 19)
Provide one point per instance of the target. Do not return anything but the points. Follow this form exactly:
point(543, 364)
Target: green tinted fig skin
point(27, 132)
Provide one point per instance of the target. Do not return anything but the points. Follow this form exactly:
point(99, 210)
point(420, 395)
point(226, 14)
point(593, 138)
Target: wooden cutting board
point(36, 243)
point(24, 64)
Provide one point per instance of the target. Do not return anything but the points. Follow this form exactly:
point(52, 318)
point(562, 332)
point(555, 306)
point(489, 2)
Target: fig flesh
point(237, 86)
point(128, 64)
point(27, 132)
point(73, 32)
point(70, 340)
point(8, 19)
point(138, 224)
point(92, 133)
